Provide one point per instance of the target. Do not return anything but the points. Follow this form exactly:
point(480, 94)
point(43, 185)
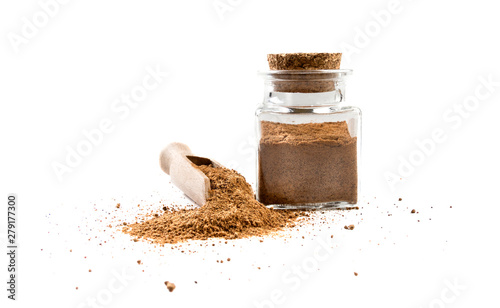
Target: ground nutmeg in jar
point(308, 139)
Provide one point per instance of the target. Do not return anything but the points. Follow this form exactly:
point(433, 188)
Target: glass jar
point(308, 141)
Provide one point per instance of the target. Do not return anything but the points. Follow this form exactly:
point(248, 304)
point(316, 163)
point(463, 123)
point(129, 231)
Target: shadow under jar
point(308, 141)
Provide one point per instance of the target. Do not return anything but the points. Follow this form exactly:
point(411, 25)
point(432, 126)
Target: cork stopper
point(304, 61)
point(302, 78)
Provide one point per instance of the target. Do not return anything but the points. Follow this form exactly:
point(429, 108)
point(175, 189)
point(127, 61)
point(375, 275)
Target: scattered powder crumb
point(349, 227)
point(139, 262)
point(400, 199)
point(118, 206)
point(170, 286)
point(355, 274)
point(228, 259)
point(413, 211)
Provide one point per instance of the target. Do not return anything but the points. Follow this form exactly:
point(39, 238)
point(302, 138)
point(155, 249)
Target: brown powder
point(231, 212)
point(170, 286)
point(307, 163)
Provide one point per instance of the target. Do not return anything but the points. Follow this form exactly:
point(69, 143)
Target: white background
point(414, 62)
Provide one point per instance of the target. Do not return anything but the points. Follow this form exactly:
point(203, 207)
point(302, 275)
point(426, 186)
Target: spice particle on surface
point(170, 286)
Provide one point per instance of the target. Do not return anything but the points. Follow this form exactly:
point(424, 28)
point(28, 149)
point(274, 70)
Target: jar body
point(308, 147)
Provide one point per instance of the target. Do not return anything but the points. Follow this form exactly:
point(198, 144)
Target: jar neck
point(332, 98)
point(304, 88)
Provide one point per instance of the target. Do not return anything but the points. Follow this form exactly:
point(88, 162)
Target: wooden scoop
point(176, 160)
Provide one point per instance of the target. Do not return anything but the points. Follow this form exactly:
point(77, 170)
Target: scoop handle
point(171, 154)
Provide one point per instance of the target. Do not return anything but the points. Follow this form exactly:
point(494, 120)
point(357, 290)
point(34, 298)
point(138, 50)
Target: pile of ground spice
point(307, 163)
point(231, 212)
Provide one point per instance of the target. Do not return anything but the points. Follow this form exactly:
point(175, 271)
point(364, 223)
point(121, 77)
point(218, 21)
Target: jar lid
point(304, 61)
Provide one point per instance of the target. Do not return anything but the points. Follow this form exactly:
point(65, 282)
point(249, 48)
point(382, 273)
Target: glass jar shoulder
point(263, 109)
